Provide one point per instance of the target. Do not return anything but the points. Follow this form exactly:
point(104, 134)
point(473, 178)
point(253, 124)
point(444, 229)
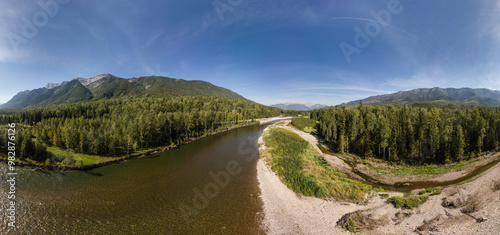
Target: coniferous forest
point(118, 127)
point(415, 134)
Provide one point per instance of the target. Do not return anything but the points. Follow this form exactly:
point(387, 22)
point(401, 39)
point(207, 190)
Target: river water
point(208, 186)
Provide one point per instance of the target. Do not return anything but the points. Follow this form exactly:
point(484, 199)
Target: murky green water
point(205, 187)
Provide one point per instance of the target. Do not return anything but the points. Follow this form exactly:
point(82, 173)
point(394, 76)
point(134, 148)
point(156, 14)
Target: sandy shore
point(286, 212)
point(272, 119)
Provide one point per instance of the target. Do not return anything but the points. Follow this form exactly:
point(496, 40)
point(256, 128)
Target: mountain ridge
point(436, 95)
point(298, 106)
point(107, 86)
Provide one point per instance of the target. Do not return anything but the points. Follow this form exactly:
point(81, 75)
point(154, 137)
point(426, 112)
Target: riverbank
point(117, 160)
point(286, 212)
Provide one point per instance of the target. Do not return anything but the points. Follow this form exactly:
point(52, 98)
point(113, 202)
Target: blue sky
point(321, 51)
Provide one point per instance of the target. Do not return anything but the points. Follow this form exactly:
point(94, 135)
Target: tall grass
point(304, 124)
point(297, 164)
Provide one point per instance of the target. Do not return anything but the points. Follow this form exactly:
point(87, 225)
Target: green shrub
point(436, 192)
point(409, 202)
point(432, 190)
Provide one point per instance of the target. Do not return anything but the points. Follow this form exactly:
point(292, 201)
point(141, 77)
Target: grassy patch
point(304, 124)
point(405, 170)
point(432, 190)
point(83, 159)
point(380, 190)
point(408, 202)
point(296, 163)
point(436, 192)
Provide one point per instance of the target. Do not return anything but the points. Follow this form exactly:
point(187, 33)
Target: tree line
point(418, 134)
point(117, 127)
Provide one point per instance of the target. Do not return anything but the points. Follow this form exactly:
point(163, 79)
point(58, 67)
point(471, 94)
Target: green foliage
point(380, 190)
point(436, 192)
point(304, 124)
point(432, 190)
point(296, 162)
point(384, 195)
point(409, 202)
point(410, 134)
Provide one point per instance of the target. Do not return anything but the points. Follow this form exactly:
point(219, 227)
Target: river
point(208, 186)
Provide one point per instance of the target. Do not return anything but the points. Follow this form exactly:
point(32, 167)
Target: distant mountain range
point(436, 96)
point(298, 106)
point(106, 86)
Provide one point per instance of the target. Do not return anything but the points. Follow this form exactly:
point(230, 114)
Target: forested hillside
point(436, 96)
point(412, 133)
point(118, 127)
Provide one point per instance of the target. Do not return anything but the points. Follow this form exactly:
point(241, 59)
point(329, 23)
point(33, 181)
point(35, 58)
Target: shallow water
point(208, 186)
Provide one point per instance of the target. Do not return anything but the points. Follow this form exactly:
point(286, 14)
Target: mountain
point(70, 92)
point(298, 106)
point(439, 96)
point(107, 86)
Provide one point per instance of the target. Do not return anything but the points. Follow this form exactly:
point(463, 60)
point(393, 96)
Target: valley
point(339, 165)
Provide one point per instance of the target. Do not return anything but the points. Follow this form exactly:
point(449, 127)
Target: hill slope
point(465, 96)
point(107, 86)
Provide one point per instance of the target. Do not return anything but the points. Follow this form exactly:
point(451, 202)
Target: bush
point(68, 160)
point(408, 202)
point(64, 159)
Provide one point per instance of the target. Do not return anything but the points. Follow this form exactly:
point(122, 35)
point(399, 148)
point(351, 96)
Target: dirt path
point(286, 212)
